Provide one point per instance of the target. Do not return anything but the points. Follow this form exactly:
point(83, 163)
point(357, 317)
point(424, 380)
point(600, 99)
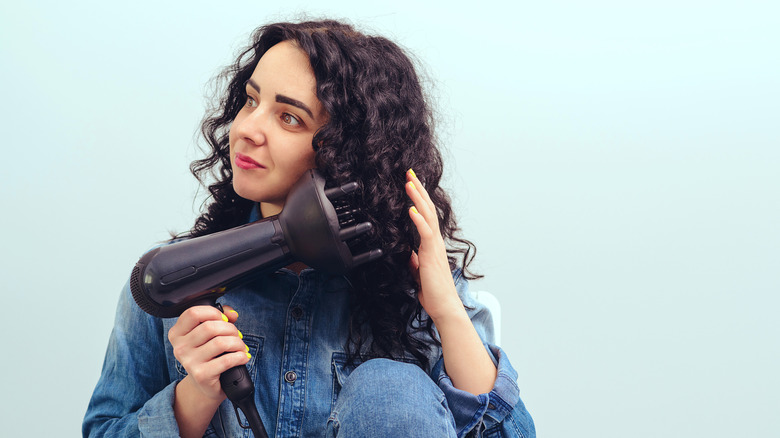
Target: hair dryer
point(169, 279)
point(316, 227)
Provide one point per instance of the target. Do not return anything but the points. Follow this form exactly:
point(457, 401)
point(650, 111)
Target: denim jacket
point(295, 328)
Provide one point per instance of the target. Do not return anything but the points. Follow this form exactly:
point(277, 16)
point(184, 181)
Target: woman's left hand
point(465, 358)
point(429, 265)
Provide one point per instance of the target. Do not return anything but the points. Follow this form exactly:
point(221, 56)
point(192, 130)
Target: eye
point(251, 102)
point(291, 120)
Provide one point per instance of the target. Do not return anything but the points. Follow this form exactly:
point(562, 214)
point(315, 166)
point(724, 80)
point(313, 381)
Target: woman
point(397, 347)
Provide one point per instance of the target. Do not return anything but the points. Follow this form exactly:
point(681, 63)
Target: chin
point(247, 192)
point(255, 194)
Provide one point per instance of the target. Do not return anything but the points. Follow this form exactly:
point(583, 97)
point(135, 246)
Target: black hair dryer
point(311, 229)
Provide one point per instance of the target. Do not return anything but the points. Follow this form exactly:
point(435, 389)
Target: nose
point(252, 127)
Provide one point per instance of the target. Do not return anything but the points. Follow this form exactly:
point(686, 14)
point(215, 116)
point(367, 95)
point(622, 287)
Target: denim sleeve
point(500, 412)
point(134, 395)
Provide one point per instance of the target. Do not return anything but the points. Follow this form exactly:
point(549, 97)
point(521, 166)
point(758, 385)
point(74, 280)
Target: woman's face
point(271, 137)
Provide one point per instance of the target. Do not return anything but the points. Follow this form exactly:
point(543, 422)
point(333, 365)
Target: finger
point(411, 176)
point(230, 313)
point(421, 199)
point(228, 361)
point(414, 261)
point(219, 346)
point(428, 214)
point(414, 266)
point(419, 221)
point(195, 357)
point(193, 317)
point(209, 372)
point(208, 330)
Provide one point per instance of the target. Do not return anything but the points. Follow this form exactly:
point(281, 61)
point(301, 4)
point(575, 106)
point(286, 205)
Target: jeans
point(383, 398)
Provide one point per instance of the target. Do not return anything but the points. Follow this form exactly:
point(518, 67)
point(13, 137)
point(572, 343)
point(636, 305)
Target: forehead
point(286, 69)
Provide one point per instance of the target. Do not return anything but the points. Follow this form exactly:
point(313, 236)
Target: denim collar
point(254, 214)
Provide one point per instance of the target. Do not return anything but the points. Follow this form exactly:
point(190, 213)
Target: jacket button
point(296, 312)
point(290, 376)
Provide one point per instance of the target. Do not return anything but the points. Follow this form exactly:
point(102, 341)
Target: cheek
point(232, 137)
point(301, 157)
point(310, 158)
point(309, 154)
point(297, 164)
point(307, 162)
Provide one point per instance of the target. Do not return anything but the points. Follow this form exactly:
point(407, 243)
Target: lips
point(246, 162)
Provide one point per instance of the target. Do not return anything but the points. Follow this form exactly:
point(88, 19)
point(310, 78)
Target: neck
point(268, 209)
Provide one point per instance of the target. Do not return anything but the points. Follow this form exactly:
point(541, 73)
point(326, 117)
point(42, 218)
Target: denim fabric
point(383, 398)
point(295, 326)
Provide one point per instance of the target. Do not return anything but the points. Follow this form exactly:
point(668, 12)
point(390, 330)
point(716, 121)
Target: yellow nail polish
point(411, 184)
point(414, 210)
point(224, 317)
point(248, 356)
point(240, 336)
point(247, 348)
point(411, 172)
point(234, 312)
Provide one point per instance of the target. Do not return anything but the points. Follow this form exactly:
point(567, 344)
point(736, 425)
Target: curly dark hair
point(379, 126)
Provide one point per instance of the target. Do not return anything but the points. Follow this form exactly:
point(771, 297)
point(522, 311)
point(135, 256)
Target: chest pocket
point(255, 344)
point(342, 368)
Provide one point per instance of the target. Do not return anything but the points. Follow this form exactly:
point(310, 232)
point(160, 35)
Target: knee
point(390, 380)
point(383, 395)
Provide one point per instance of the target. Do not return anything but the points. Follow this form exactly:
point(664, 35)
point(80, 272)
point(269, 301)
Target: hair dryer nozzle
point(313, 228)
point(337, 192)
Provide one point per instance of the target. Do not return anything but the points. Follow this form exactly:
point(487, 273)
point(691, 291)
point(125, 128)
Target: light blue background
point(616, 164)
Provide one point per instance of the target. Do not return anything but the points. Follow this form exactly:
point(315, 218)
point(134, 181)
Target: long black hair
point(379, 126)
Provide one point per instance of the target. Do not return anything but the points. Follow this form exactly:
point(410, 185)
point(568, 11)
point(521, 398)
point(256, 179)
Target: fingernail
point(234, 312)
point(247, 348)
point(411, 184)
point(414, 210)
point(224, 317)
point(248, 356)
point(240, 336)
point(411, 172)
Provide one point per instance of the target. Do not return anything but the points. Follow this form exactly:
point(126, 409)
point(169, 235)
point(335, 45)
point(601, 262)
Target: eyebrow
point(284, 99)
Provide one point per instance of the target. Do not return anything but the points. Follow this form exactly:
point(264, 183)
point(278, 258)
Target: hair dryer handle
point(241, 392)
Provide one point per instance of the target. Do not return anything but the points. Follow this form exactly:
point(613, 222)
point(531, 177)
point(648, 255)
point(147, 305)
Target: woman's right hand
point(199, 338)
